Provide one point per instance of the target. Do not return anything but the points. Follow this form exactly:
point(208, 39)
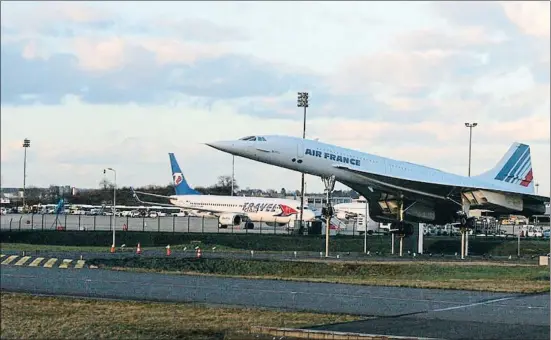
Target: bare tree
point(226, 181)
point(105, 184)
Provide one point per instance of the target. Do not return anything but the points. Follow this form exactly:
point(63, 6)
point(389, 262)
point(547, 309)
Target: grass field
point(56, 248)
point(497, 278)
point(35, 317)
point(267, 242)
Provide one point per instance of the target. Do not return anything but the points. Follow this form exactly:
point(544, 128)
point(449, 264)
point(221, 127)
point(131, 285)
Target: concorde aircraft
point(402, 191)
point(231, 210)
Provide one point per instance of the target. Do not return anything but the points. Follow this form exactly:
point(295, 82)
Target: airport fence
point(175, 224)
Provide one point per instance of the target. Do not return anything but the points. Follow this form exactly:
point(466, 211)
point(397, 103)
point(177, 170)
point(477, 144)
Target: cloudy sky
point(109, 84)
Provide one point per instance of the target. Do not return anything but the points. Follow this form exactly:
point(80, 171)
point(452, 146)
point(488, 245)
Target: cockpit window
point(253, 139)
point(248, 138)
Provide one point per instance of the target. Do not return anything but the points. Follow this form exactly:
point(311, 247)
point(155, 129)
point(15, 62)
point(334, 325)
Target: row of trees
point(104, 195)
point(124, 195)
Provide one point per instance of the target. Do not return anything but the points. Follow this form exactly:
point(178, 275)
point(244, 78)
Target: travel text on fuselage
point(267, 207)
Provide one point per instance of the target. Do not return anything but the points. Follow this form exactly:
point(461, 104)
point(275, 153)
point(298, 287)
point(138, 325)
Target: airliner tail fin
point(515, 167)
point(180, 184)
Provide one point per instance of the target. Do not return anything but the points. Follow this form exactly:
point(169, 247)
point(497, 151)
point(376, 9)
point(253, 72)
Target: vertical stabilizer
point(180, 184)
point(515, 167)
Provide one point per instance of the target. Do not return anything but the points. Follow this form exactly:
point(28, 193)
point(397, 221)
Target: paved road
point(399, 311)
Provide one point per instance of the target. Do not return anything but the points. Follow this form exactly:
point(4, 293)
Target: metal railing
point(179, 224)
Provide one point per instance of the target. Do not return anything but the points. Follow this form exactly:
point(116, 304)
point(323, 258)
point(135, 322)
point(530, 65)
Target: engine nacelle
point(271, 224)
point(230, 219)
point(342, 215)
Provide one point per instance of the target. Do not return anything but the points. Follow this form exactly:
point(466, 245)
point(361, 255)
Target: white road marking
point(474, 304)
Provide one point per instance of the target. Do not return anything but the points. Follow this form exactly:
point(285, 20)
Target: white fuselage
point(257, 209)
point(321, 159)
point(356, 209)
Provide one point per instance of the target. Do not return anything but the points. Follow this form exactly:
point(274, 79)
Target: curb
point(316, 334)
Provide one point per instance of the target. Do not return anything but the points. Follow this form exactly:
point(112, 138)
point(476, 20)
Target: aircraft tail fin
point(515, 167)
point(180, 184)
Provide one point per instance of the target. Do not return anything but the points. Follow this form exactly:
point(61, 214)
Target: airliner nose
point(309, 215)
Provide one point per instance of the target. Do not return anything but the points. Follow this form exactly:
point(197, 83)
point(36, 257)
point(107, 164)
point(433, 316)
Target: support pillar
point(414, 243)
point(329, 183)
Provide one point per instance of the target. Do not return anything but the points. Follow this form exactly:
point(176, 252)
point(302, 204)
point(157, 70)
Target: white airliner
point(403, 191)
point(232, 210)
point(357, 210)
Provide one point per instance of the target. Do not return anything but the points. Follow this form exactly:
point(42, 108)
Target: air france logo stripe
point(515, 157)
point(525, 168)
point(523, 173)
point(525, 158)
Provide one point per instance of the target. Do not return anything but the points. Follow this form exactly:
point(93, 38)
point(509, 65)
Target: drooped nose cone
point(226, 146)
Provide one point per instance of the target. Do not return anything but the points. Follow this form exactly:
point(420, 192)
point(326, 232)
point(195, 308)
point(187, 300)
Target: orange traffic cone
point(112, 248)
point(168, 252)
point(198, 253)
point(139, 249)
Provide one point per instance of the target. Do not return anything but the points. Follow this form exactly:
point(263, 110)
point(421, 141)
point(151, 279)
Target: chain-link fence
point(190, 224)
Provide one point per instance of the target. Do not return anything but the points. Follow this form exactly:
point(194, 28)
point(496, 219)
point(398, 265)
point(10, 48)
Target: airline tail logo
point(178, 178)
point(518, 168)
point(286, 211)
point(528, 179)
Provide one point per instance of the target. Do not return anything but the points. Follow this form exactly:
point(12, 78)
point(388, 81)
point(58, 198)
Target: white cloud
point(532, 17)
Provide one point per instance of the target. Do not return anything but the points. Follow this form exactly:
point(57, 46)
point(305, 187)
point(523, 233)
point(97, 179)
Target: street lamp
point(537, 186)
point(365, 231)
point(302, 102)
point(26, 144)
point(470, 126)
point(232, 173)
point(114, 204)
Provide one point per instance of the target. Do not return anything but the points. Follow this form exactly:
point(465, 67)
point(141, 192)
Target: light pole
point(470, 126)
point(365, 231)
point(114, 204)
point(26, 144)
point(537, 187)
point(232, 173)
point(302, 102)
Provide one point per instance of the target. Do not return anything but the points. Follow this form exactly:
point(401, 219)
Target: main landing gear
point(401, 228)
point(466, 224)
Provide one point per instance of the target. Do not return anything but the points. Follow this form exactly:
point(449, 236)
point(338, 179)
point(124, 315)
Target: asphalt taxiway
point(445, 314)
